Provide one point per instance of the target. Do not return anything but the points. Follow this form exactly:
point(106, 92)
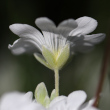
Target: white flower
point(52, 46)
point(18, 101)
point(21, 101)
point(74, 101)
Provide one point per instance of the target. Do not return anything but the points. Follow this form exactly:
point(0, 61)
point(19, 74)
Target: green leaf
point(63, 57)
point(53, 95)
point(41, 60)
point(41, 93)
point(49, 56)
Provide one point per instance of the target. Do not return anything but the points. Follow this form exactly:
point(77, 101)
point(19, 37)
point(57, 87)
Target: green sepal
point(53, 95)
point(46, 102)
point(63, 57)
point(49, 56)
point(41, 93)
point(41, 60)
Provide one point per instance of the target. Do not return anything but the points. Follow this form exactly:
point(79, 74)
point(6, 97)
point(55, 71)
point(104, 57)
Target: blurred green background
point(23, 72)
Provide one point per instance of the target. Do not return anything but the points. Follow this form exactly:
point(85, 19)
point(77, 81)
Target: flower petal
point(83, 47)
point(19, 101)
point(59, 103)
point(88, 105)
point(23, 45)
point(59, 106)
point(57, 100)
point(94, 38)
point(89, 108)
point(66, 26)
point(45, 24)
point(75, 39)
point(85, 26)
point(27, 31)
point(28, 96)
point(78, 44)
point(75, 99)
point(10, 101)
point(54, 41)
point(33, 106)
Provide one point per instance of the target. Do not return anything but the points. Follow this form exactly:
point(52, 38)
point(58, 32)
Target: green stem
point(56, 82)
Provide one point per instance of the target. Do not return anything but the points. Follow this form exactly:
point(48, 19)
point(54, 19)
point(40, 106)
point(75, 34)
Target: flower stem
point(56, 82)
point(103, 73)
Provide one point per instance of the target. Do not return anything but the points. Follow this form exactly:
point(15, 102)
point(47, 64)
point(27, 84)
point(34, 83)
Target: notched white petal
point(83, 48)
point(24, 30)
point(29, 95)
point(18, 101)
point(88, 108)
point(27, 31)
point(58, 100)
point(88, 105)
point(21, 46)
point(76, 98)
point(16, 51)
point(59, 106)
point(45, 24)
point(95, 38)
point(69, 23)
point(75, 39)
point(85, 26)
point(66, 26)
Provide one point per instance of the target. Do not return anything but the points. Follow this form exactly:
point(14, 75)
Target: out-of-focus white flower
point(74, 101)
point(18, 101)
point(21, 101)
point(53, 45)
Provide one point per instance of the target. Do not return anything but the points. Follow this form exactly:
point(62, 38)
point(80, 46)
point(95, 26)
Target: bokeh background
point(23, 73)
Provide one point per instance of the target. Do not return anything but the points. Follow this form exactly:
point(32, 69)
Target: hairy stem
point(56, 81)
